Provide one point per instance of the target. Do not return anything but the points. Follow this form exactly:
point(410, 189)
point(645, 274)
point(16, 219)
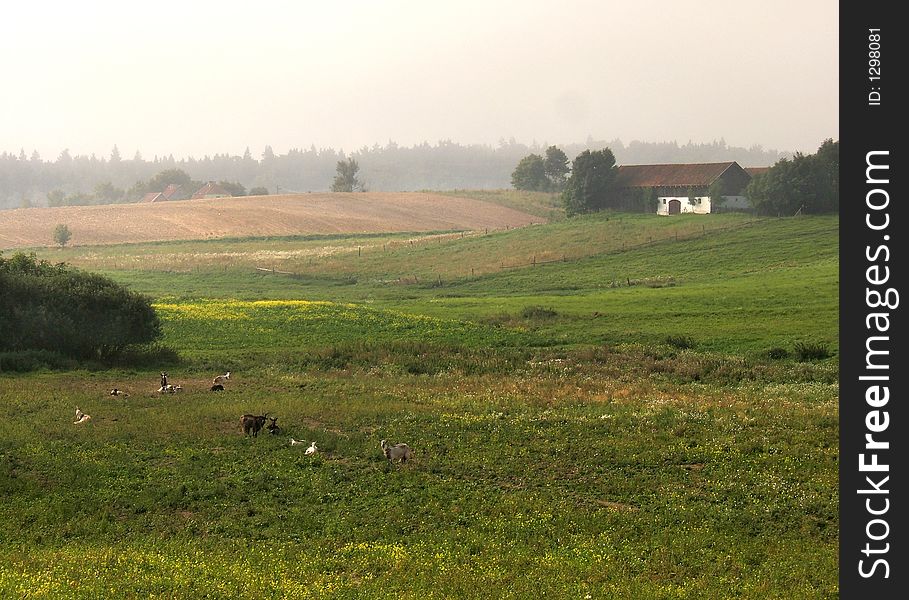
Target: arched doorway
point(675, 207)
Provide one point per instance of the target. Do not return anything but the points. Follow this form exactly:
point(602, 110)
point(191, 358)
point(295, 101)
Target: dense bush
point(682, 342)
point(538, 312)
point(73, 313)
point(811, 351)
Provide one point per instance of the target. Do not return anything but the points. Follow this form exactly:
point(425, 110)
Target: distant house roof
point(171, 191)
point(756, 170)
point(672, 175)
point(211, 190)
point(152, 197)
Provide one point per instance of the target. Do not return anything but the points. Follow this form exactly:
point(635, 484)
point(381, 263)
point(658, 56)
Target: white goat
point(312, 449)
point(401, 452)
point(83, 419)
point(221, 378)
point(294, 442)
point(170, 389)
point(118, 392)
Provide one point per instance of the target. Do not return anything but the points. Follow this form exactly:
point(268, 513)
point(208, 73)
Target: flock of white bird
point(398, 452)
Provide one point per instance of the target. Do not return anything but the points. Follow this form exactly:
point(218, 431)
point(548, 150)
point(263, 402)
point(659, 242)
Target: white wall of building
point(698, 205)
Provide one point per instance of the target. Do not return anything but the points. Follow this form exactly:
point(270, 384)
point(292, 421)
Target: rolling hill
point(291, 214)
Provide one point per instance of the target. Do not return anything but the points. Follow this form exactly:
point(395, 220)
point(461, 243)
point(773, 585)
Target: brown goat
point(253, 423)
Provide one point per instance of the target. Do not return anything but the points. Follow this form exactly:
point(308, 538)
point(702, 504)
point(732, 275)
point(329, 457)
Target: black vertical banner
point(873, 365)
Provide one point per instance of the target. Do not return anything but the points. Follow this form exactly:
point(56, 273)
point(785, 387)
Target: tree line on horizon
point(29, 180)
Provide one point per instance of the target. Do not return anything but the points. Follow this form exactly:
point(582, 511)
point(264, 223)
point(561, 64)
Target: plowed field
point(293, 214)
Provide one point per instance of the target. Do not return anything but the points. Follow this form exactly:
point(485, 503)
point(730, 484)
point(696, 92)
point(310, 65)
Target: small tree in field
point(346, 180)
point(62, 234)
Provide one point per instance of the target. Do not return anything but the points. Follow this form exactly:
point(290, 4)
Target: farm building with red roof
point(211, 190)
point(683, 188)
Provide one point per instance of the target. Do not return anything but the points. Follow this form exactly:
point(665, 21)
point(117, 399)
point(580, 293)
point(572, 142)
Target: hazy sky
point(199, 77)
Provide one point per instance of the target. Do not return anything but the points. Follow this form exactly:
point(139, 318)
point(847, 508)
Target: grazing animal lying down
point(253, 423)
point(400, 452)
point(294, 442)
point(312, 449)
point(273, 427)
point(83, 419)
point(116, 392)
point(221, 378)
point(79, 413)
point(170, 389)
point(217, 388)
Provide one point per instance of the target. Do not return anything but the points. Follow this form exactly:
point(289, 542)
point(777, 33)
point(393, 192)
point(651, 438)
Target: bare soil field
point(291, 214)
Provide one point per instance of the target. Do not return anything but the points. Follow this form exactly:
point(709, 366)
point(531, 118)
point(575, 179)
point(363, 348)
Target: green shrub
point(776, 353)
point(682, 342)
point(538, 312)
point(33, 360)
point(805, 351)
point(63, 310)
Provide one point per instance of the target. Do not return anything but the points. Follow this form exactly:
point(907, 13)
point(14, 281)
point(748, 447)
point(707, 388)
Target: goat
point(253, 423)
point(117, 392)
point(400, 452)
point(170, 389)
point(312, 449)
point(217, 388)
point(273, 427)
point(221, 378)
point(79, 413)
point(294, 442)
point(83, 419)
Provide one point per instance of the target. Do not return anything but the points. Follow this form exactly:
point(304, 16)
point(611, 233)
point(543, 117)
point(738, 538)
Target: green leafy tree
point(806, 183)
point(556, 167)
point(346, 178)
point(56, 198)
point(716, 191)
point(827, 177)
point(530, 174)
point(106, 193)
point(258, 191)
point(590, 187)
point(62, 234)
point(649, 200)
point(234, 189)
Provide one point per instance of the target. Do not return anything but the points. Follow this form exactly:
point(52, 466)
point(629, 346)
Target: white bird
point(79, 413)
point(312, 449)
point(294, 442)
point(83, 419)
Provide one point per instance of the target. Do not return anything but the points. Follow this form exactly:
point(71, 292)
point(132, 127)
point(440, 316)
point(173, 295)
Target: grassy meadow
point(631, 420)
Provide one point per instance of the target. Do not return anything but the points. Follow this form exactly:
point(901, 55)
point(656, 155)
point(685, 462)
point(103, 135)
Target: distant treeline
point(29, 180)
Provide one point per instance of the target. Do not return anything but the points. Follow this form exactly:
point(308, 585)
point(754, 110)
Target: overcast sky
point(198, 77)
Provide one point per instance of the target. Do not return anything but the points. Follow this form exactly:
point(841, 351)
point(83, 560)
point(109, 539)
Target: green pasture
point(610, 426)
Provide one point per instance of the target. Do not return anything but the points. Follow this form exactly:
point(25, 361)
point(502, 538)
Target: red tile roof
point(672, 175)
point(211, 189)
point(152, 197)
point(756, 170)
point(170, 191)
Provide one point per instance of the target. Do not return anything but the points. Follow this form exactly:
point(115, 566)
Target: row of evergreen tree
point(28, 179)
